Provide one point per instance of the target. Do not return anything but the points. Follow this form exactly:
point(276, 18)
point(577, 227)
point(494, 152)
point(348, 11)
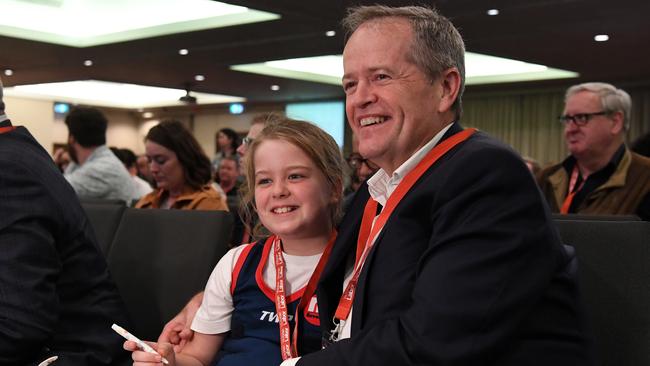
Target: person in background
point(181, 171)
point(56, 295)
point(142, 163)
point(294, 178)
point(140, 186)
point(229, 182)
point(227, 144)
point(601, 176)
point(94, 172)
point(532, 165)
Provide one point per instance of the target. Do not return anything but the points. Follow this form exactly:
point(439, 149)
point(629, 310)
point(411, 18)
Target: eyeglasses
point(355, 161)
point(247, 140)
point(580, 119)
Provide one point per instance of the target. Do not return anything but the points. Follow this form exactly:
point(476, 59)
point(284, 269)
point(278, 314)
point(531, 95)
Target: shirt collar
point(570, 161)
point(381, 186)
point(3, 117)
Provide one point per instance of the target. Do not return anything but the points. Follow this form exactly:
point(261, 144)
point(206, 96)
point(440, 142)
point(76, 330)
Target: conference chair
point(104, 217)
point(161, 258)
point(614, 276)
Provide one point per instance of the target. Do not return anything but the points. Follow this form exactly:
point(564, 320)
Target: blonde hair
point(319, 146)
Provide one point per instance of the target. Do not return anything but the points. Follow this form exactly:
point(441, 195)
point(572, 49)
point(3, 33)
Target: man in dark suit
point(458, 262)
point(56, 296)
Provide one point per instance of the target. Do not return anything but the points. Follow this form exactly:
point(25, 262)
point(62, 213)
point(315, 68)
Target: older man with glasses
point(601, 176)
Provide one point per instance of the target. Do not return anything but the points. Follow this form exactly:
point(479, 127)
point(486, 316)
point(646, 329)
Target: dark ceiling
point(556, 33)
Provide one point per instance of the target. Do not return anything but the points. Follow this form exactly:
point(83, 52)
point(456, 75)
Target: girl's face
point(165, 167)
point(292, 196)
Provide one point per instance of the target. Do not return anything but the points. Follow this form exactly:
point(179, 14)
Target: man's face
point(228, 171)
point(597, 134)
point(253, 132)
point(391, 105)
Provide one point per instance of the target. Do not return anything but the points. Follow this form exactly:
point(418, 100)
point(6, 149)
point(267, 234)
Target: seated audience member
point(229, 182)
point(532, 165)
point(181, 170)
point(293, 185)
point(362, 169)
point(56, 295)
point(641, 145)
point(227, 144)
point(142, 164)
point(140, 186)
point(94, 172)
point(601, 176)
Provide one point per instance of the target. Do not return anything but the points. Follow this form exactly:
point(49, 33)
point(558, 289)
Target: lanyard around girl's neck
point(368, 231)
point(288, 348)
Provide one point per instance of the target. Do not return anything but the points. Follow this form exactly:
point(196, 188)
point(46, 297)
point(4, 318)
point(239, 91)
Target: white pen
point(130, 337)
point(49, 361)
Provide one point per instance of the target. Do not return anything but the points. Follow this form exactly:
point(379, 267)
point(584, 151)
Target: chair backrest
point(161, 258)
point(614, 276)
point(104, 217)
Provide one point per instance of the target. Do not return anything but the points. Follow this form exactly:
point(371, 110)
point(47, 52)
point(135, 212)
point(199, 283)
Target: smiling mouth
point(369, 121)
point(281, 210)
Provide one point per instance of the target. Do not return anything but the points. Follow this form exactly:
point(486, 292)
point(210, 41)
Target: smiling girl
point(259, 305)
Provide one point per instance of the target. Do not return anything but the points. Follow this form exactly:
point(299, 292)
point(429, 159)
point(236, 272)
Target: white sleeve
point(213, 317)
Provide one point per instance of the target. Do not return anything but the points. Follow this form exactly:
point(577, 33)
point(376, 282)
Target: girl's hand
point(141, 358)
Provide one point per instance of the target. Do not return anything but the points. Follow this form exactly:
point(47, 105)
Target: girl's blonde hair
point(319, 146)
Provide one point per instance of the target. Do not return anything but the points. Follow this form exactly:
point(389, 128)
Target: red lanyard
point(367, 235)
point(572, 183)
point(6, 129)
point(290, 349)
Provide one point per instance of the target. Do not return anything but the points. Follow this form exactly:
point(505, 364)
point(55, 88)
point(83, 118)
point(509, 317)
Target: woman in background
point(227, 143)
point(181, 170)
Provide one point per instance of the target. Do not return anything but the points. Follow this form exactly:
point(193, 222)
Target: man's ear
point(450, 82)
point(619, 124)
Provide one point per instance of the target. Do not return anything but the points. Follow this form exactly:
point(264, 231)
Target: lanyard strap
point(290, 349)
point(367, 235)
point(6, 129)
point(572, 190)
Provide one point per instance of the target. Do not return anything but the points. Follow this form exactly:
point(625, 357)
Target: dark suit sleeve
point(29, 265)
point(490, 256)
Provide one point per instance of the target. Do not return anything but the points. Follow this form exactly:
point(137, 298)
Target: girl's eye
point(263, 181)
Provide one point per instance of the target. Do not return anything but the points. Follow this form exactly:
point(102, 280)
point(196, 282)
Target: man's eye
point(382, 77)
point(348, 86)
point(295, 176)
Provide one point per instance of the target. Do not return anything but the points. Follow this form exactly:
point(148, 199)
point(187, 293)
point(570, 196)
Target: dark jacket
point(56, 295)
point(469, 270)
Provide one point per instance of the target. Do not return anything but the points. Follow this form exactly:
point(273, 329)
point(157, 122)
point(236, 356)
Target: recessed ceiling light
point(199, 77)
point(601, 38)
point(104, 22)
point(9, 72)
point(275, 87)
point(493, 12)
point(147, 115)
point(330, 33)
point(183, 51)
point(480, 69)
point(88, 63)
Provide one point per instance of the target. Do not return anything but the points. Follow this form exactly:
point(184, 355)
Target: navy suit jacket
point(56, 296)
point(469, 270)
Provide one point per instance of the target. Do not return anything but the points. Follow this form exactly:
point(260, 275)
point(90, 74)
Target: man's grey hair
point(437, 44)
point(611, 99)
